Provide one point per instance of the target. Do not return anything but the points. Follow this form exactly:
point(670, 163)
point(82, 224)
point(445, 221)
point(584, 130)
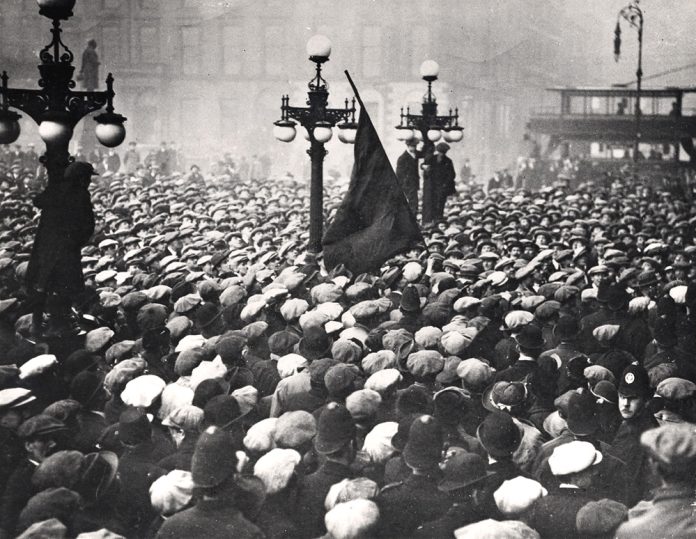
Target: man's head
point(634, 391)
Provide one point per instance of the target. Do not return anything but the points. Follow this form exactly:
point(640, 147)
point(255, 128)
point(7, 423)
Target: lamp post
point(634, 15)
point(56, 107)
point(318, 120)
point(428, 125)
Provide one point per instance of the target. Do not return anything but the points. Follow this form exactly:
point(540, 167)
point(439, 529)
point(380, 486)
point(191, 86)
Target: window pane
point(149, 45)
point(111, 46)
point(372, 37)
point(232, 50)
point(190, 45)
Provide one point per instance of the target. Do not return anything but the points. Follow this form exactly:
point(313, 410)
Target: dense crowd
point(529, 372)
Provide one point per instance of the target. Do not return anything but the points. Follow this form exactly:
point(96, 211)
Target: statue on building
point(89, 71)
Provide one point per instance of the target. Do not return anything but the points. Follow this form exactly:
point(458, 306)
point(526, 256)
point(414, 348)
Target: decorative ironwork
point(56, 98)
point(317, 114)
point(45, 55)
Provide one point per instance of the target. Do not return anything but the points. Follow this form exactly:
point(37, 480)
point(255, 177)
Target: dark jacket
point(312, 491)
point(212, 519)
point(554, 515)
point(405, 506)
point(67, 222)
point(407, 174)
point(627, 448)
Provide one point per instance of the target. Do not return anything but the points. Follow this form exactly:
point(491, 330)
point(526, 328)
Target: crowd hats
point(462, 469)
point(573, 457)
point(672, 445)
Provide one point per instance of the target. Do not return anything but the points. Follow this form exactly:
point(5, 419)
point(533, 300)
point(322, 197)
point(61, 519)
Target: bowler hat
point(315, 343)
point(530, 337)
point(461, 469)
point(410, 300)
point(133, 427)
point(581, 414)
point(499, 435)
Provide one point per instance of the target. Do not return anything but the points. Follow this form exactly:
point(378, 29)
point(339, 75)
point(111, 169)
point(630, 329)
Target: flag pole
point(355, 90)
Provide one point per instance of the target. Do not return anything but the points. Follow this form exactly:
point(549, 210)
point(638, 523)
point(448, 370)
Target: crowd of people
point(528, 372)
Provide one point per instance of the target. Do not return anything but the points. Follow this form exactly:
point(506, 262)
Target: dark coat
point(626, 447)
point(67, 222)
point(459, 515)
point(311, 493)
point(438, 184)
point(405, 506)
point(554, 515)
point(407, 174)
point(181, 459)
point(18, 491)
point(212, 519)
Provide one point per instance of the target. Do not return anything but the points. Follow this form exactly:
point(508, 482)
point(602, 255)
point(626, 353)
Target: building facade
point(209, 74)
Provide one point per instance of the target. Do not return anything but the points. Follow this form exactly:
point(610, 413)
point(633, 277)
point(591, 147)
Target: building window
point(274, 49)
point(371, 51)
point(149, 45)
point(111, 45)
point(232, 50)
point(190, 49)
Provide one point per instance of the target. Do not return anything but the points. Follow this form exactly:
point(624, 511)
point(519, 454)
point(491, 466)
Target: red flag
point(374, 221)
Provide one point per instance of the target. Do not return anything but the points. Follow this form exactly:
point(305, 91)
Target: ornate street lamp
point(634, 15)
point(56, 107)
point(317, 120)
point(429, 126)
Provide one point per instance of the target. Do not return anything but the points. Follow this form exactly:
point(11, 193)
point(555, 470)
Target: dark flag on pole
point(374, 222)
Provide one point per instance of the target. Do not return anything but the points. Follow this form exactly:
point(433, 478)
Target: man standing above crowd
point(438, 183)
point(407, 173)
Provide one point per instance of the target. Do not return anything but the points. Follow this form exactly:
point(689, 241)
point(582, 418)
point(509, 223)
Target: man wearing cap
point(407, 174)
point(405, 506)
point(634, 391)
point(67, 223)
point(335, 441)
point(438, 183)
point(573, 465)
point(41, 435)
point(670, 512)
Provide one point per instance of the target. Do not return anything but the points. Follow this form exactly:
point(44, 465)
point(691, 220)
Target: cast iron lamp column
point(317, 119)
point(56, 107)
